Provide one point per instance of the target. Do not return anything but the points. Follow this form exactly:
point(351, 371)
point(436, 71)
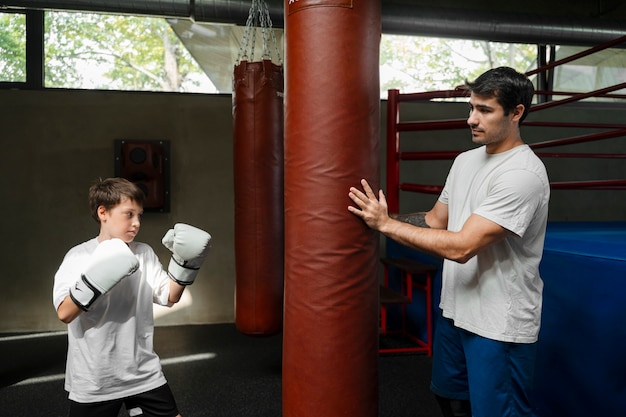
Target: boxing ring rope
point(395, 127)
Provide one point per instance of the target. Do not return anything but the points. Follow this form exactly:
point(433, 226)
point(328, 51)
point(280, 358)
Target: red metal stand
point(410, 273)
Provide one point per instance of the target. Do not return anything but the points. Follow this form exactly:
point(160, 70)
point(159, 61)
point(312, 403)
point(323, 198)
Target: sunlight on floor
point(165, 362)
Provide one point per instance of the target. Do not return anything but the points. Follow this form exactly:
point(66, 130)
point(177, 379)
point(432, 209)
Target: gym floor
point(213, 370)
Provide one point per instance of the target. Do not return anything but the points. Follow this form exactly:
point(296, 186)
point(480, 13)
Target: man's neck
point(503, 146)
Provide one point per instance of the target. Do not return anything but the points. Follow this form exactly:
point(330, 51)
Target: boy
point(104, 291)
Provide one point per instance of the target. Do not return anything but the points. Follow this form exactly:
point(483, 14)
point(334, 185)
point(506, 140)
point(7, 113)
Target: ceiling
point(610, 10)
point(581, 22)
point(530, 21)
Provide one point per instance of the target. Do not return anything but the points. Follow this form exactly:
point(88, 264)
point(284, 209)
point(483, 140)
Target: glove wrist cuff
point(181, 274)
point(83, 294)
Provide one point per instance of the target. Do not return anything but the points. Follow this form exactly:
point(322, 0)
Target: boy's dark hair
point(508, 86)
point(110, 192)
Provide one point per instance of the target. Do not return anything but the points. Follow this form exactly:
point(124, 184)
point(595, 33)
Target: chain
point(269, 25)
point(244, 46)
point(259, 15)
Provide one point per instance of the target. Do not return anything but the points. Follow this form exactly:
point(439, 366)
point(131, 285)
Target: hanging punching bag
point(258, 173)
point(330, 331)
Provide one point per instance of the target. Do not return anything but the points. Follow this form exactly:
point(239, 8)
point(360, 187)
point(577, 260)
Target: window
point(600, 70)
point(112, 52)
point(415, 64)
point(119, 52)
point(12, 47)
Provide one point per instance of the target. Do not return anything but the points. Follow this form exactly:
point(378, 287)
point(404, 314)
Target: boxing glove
point(111, 262)
point(189, 246)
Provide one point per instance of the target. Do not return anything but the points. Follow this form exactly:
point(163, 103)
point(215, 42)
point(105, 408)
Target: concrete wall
point(55, 143)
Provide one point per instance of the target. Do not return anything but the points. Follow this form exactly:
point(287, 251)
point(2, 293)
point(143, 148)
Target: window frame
point(34, 52)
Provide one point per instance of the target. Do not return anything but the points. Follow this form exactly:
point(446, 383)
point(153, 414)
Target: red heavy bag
point(332, 100)
point(258, 174)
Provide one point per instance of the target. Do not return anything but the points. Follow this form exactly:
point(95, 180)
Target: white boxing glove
point(189, 246)
point(111, 262)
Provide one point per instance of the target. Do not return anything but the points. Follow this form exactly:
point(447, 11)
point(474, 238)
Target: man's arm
point(436, 218)
point(476, 234)
point(416, 219)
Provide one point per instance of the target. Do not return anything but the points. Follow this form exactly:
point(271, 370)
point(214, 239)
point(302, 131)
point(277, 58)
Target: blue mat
point(597, 240)
point(581, 360)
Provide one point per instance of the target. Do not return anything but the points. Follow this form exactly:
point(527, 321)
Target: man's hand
point(372, 210)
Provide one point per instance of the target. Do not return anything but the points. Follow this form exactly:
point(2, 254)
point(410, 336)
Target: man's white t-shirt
point(110, 351)
point(497, 294)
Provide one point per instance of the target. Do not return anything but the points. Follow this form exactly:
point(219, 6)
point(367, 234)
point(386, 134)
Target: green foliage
point(413, 64)
point(139, 53)
point(126, 52)
point(101, 51)
point(12, 47)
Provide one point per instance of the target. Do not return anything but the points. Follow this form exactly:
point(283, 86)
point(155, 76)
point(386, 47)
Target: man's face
point(488, 123)
point(122, 221)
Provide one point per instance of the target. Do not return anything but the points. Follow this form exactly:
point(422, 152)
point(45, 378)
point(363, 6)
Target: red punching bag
point(258, 174)
point(332, 101)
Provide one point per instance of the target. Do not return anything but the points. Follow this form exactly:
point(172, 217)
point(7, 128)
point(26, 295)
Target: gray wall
point(55, 143)
point(565, 205)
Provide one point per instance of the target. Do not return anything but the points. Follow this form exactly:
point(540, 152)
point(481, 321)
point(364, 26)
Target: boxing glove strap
point(185, 264)
point(83, 293)
point(182, 274)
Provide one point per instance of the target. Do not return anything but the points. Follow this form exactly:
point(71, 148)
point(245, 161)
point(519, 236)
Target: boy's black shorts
point(158, 402)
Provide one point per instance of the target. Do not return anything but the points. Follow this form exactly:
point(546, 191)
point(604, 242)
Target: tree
point(13, 47)
point(101, 51)
point(125, 52)
point(412, 64)
point(522, 57)
point(138, 53)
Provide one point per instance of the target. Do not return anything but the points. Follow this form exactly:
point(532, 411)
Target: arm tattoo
point(416, 219)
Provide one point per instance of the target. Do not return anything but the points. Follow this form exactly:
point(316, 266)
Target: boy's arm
point(68, 310)
point(189, 246)
point(111, 262)
point(176, 291)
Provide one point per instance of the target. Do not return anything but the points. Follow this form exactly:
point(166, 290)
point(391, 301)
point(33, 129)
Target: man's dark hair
point(508, 86)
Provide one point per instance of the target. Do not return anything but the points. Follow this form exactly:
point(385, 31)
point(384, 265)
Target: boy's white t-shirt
point(497, 294)
point(110, 347)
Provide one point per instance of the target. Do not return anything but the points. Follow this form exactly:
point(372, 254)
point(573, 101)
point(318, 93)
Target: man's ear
point(518, 111)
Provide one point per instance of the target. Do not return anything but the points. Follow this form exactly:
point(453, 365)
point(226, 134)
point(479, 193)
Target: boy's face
point(122, 221)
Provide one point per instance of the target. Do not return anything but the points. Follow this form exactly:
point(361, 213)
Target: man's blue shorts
point(496, 377)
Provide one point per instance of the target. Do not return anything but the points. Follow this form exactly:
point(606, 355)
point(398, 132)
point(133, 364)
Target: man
point(489, 226)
